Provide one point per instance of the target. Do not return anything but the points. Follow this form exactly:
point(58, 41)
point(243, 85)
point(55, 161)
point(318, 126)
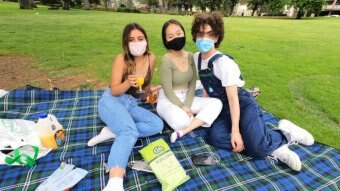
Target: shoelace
point(295, 142)
point(272, 158)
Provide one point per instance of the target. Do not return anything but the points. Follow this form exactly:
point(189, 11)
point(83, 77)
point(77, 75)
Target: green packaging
point(164, 164)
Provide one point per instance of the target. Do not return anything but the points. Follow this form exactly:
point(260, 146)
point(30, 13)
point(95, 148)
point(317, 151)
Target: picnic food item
point(164, 164)
point(51, 132)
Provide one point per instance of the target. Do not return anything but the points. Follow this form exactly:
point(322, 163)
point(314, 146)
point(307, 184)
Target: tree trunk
point(299, 14)
point(211, 7)
point(66, 5)
point(333, 5)
point(33, 4)
point(25, 4)
point(203, 8)
point(254, 9)
point(231, 9)
point(108, 4)
point(86, 4)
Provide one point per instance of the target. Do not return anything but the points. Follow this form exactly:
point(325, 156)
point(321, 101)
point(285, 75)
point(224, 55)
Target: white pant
point(206, 109)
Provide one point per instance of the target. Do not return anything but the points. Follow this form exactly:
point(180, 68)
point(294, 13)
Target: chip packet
point(164, 164)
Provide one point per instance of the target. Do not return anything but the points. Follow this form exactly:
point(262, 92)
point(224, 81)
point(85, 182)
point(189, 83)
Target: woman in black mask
point(177, 103)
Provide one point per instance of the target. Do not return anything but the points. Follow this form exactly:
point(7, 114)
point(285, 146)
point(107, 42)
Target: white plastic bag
point(19, 142)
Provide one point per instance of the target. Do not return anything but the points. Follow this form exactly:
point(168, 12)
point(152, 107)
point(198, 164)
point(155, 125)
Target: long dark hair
point(165, 26)
point(129, 59)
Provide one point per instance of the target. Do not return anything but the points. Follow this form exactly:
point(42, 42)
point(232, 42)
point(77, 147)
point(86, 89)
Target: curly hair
point(214, 19)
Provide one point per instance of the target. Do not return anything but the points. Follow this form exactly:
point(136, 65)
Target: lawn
point(296, 63)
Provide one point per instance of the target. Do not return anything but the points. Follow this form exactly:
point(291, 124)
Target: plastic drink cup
point(153, 98)
point(140, 82)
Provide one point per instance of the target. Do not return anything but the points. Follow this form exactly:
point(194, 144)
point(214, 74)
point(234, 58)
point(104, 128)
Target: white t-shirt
point(225, 69)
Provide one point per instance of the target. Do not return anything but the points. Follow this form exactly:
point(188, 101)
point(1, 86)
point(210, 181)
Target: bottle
point(50, 131)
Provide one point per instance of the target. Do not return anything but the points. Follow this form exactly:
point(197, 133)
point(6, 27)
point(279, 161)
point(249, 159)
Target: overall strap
point(212, 59)
point(199, 61)
point(210, 63)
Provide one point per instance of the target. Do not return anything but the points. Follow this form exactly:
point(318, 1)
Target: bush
point(127, 10)
point(47, 2)
point(274, 14)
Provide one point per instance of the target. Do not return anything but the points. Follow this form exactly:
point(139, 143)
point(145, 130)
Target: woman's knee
point(128, 134)
point(222, 142)
point(176, 120)
point(157, 124)
point(179, 123)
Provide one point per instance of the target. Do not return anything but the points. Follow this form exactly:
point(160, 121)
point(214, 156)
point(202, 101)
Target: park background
point(295, 63)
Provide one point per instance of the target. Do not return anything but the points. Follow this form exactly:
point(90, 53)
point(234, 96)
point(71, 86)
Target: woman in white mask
point(177, 103)
point(118, 107)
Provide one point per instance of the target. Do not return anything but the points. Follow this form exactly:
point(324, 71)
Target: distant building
point(241, 9)
point(142, 6)
point(332, 7)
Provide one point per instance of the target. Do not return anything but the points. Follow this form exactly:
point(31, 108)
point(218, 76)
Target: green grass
point(295, 63)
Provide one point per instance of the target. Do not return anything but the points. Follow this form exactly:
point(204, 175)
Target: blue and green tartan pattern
point(77, 112)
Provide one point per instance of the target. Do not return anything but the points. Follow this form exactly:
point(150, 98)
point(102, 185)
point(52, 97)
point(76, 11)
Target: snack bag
point(164, 164)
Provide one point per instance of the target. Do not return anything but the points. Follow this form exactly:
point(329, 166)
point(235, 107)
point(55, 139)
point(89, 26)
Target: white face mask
point(137, 48)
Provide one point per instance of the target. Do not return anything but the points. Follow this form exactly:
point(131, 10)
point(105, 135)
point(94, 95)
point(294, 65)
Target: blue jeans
point(127, 121)
point(258, 139)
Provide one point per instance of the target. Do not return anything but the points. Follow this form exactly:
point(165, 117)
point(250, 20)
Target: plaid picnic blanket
point(77, 112)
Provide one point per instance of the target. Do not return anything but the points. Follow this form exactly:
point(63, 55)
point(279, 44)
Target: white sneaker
point(288, 157)
point(105, 134)
point(293, 133)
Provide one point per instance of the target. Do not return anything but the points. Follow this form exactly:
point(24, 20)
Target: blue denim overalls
point(259, 141)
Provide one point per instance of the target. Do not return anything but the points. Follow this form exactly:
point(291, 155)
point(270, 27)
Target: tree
point(255, 5)
point(232, 5)
point(202, 4)
point(315, 7)
point(86, 4)
point(303, 6)
point(26, 4)
point(129, 3)
point(108, 4)
point(276, 7)
point(66, 4)
point(152, 3)
point(333, 5)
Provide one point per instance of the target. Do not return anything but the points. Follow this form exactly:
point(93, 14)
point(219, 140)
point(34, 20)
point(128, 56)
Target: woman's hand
point(188, 111)
point(237, 142)
point(132, 80)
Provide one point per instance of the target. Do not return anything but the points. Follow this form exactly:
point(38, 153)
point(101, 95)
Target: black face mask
point(176, 43)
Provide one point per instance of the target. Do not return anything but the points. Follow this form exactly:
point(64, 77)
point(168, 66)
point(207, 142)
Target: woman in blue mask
point(240, 125)
point(177, 103)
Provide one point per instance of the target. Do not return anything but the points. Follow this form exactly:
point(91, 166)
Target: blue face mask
point(205, 44)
